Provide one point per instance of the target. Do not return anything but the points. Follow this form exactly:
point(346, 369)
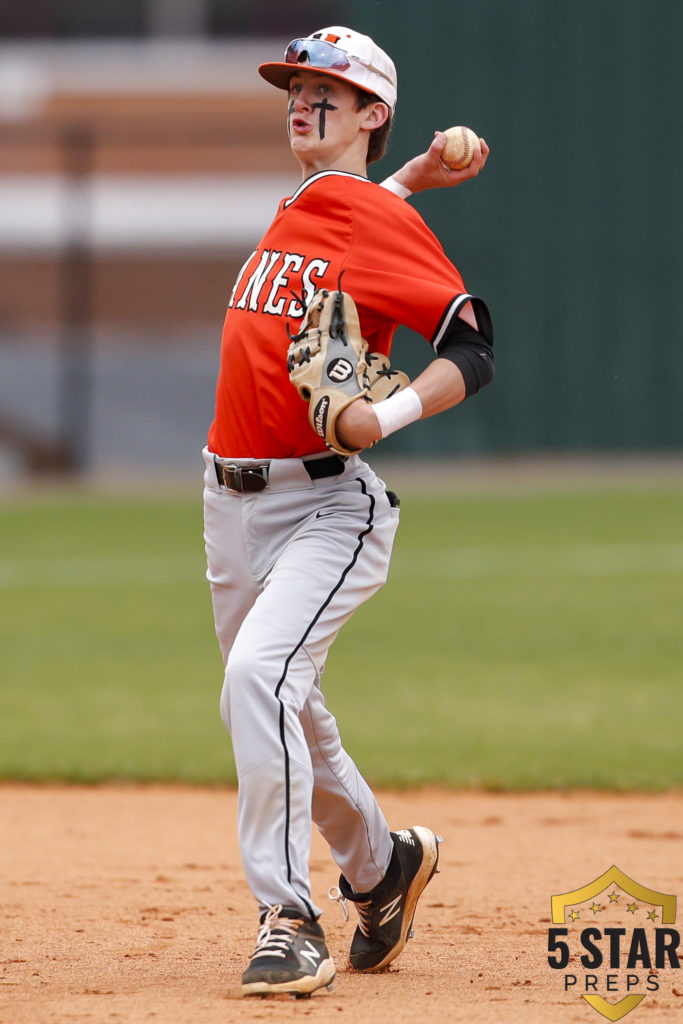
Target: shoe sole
point(298, 987)
point(430, 845)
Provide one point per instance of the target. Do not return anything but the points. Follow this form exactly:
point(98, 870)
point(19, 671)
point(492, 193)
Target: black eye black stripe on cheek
point(323, 107)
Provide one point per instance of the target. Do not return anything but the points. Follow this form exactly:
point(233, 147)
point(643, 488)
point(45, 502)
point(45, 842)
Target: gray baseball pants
point(288, 566)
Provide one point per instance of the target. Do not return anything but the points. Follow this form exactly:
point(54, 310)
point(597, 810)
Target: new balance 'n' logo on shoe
point(391, 910)
point(385, 915)
point(290, 956)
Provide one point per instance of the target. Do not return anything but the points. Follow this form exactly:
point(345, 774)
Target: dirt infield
point(127, 904)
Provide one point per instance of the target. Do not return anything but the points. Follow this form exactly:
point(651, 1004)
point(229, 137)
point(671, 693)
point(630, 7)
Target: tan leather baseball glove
point(329, 365)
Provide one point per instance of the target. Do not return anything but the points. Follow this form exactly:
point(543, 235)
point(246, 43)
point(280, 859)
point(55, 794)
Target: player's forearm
point(440, 386)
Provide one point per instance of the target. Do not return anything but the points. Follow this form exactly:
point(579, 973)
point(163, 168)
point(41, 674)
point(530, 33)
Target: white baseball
point(459, 148)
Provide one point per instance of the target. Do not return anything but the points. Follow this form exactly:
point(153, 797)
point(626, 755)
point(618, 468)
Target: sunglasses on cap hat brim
point(317, 54)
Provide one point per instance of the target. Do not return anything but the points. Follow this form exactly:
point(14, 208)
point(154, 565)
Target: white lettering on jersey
point(239, 278)
point(316, 268)
point(281, 280)
point(258, 279)
point(276, 272)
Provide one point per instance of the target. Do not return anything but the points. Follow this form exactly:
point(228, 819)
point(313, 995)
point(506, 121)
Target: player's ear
point(375, 116)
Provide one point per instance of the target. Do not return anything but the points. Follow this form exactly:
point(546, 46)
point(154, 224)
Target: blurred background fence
point(141, 155)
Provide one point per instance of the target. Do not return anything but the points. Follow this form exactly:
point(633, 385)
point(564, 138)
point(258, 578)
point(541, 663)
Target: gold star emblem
point(653, 915)
point(575, 914)
point(631, 908)
point(596, 908)
point(614, 897)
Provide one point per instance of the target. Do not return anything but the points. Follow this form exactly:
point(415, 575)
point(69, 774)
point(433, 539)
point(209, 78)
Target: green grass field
point(524, 640)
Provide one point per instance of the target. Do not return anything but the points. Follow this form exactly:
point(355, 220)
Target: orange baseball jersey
point(394, 268)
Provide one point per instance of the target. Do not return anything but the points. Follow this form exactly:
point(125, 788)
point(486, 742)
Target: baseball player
point(298, 528)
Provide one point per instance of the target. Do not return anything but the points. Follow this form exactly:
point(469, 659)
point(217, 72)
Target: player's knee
point(246, 692)
point(236, 685)
point(224, 703)
point(237, 688)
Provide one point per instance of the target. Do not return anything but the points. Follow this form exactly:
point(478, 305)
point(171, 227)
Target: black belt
point(249, 479)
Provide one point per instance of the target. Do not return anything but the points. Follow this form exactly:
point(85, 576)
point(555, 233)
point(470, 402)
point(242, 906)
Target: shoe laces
point(335, 894)
point(362, 909)
point(276, 934)
point(364, 919)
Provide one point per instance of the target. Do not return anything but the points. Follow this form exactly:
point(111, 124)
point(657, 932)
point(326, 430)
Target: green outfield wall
point(574, 232)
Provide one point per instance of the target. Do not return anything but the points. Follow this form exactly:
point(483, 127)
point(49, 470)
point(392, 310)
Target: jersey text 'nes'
point(268, 287)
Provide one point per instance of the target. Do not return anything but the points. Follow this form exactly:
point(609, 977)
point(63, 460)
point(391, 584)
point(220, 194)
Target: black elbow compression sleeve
point(470, 350)
point(473, 356)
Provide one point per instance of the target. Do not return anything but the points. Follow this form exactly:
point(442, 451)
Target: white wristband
point(391, 185)
point(398, 411)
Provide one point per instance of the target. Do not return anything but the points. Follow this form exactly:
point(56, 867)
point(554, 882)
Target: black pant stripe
point(283, 739)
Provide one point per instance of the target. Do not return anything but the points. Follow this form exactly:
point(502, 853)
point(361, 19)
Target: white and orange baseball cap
point(342, 53)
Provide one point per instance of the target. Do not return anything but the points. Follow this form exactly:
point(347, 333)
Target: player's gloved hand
point(381, 381)
point(327, 363)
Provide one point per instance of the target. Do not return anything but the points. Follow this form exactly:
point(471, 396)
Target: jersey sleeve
point(397, 271)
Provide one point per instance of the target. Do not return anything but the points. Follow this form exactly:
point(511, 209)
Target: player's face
point(325, 127)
